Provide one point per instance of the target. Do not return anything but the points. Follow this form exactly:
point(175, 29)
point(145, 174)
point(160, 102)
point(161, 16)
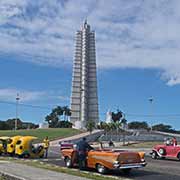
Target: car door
point(176, 151)
point(170, 150)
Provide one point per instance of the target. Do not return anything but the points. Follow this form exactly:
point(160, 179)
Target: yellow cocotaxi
point(26, 149)
point(11, 144)
point(3, 144)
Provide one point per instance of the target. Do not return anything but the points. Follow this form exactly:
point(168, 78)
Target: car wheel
point(101, 169)
point(154, 155)
point(178, 156)
point(11, 154)
point(26, 155)
point(68, 162)
point(126, 171)
point(162, 151)
point(41, 156)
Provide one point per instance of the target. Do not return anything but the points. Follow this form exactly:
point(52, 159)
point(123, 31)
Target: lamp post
point(17, 103)
point(151, 102)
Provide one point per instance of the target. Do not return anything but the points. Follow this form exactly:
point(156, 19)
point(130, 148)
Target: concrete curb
point(8, 176)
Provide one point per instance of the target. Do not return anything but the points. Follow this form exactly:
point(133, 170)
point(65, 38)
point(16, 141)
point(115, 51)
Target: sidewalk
point(56, 142)
point(24, 172)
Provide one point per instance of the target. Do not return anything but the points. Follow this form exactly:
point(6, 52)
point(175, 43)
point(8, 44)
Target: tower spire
point(85, 23)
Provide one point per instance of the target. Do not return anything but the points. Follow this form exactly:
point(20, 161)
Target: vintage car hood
point(159, 146)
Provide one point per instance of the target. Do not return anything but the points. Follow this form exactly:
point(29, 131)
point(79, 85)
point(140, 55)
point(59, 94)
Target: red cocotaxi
point(102, 160)
point(163, 151)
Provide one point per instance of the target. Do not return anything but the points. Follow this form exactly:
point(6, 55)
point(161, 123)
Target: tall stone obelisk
point(84, 97)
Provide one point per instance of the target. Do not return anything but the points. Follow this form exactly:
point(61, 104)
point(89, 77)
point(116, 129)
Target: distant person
point(111, 144)
point(46, 146)
point(168, 142)
point(82, 148)
point(174, 141)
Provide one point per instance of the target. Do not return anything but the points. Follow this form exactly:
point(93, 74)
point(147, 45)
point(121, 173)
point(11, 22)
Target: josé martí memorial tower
point(84, 97)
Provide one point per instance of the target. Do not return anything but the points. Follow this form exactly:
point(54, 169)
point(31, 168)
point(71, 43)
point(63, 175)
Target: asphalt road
point(155, 169)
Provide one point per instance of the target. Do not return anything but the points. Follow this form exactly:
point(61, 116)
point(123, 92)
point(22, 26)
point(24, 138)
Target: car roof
point(28, 138)
point(4, 137)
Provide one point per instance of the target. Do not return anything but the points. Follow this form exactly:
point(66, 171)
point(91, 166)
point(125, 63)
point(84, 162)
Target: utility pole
point(151, 103)
point(124, 132)
point(17, 103)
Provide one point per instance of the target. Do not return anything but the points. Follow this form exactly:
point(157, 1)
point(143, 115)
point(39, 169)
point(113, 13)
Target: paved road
point(156, 169)
point(14, 171)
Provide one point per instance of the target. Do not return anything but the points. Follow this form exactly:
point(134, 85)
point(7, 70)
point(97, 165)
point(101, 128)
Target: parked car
point(104, 160)
point(3, 144)
point(26, 149)
point(11, 144)
point(66, 145)
point(165, 151)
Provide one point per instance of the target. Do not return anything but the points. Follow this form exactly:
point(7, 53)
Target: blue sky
point(138, 50)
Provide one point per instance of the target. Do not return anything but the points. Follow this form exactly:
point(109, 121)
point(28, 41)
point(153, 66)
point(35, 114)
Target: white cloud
point(10, 95)
point(130, 34)
point(63, 98)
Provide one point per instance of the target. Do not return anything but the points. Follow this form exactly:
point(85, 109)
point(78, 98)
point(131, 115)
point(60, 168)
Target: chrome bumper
point(129, 166)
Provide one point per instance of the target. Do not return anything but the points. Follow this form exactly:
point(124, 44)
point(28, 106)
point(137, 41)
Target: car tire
point(42, 156)
point(26, 156)
point(154, 155)
point(126, 171)
point(178, 156)
point(101, 169)
point(162, 151)
point(68, 162)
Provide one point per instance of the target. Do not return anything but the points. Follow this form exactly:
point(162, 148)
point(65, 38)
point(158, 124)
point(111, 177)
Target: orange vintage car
point(106, 159)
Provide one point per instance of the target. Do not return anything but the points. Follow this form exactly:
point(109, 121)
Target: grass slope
point(42, 133)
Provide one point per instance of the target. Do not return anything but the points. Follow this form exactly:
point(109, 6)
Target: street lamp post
point(151, 102)
point(17, 103)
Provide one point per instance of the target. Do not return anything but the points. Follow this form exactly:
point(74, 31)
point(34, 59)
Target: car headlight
point(116, 164)
point(142, 160)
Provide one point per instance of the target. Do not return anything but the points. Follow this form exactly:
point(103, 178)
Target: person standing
point(46, 146)
point(82, 148)
point(174, 141)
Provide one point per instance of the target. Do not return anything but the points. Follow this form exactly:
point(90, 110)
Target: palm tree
point(90, 126)
point(66, 112)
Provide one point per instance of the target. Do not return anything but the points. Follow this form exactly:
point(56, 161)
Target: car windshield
point(18, 142)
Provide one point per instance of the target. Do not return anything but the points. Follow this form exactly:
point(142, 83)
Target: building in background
point(84, 97)
point(43, 125)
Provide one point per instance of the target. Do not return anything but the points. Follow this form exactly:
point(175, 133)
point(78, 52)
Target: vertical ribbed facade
point(84, 97)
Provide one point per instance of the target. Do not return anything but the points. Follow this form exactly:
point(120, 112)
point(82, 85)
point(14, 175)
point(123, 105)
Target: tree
point(123, 121)
point(10, 124)
point(90, 126)
point(138, 125)
point(163, 127)
point(116, 117)
point(55, 116)
point(66, 112)
point(52, 120)
point(64, 124)
point(4, 126)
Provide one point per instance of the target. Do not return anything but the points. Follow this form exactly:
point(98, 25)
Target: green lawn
point(42, 133)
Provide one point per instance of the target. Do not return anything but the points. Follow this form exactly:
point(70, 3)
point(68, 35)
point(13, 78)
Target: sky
point(137, 46)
